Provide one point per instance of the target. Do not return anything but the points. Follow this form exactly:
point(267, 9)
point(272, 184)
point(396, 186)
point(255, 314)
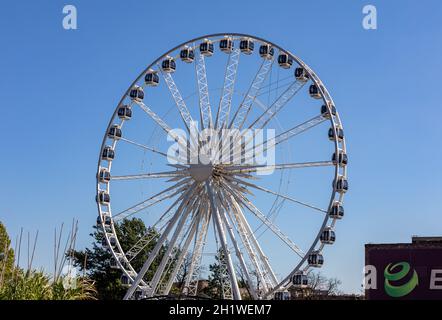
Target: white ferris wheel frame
point(136, 278)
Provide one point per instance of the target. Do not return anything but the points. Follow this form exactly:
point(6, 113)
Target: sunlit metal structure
point(218, 193)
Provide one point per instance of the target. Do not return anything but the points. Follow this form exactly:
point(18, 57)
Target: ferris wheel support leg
point(170, 247)
point(222, 236)
point(158, 246)
point(239, 256)
point(183, 253)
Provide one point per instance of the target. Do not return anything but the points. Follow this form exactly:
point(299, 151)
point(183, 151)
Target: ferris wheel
point(227, 145)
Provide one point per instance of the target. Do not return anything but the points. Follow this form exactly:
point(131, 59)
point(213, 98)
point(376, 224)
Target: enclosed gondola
point(187, 55)
point(266, 51)
point(336, 210)
point(168, 65)
point(124, 112)
point(206, 48)
point(315, 259)
point(151, 78)
point(137, 93)
point(246, 46)
point(284, 60)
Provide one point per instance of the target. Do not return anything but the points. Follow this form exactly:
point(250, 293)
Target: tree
point(6, 255)
point(217, 277)
point(95, 261)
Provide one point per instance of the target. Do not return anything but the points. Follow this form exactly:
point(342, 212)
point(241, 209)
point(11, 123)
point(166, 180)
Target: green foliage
point(217, 277)
point(6, 255)
point(95, 261)
point(36, 285)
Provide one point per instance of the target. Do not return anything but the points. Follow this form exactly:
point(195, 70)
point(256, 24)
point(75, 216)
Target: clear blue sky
point(58, 88)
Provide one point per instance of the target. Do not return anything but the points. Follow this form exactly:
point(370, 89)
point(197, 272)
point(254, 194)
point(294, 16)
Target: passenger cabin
point(226, 44)
point(266, 51)
point(246, 46)
point(315, 259)
point(187, 55)
point(124, 112)
point(168, 65)
point(284, 60)
point(151, 78)
point(314, 92)
point(336, 211)
point(206, 48)
point(301, 75)
point(328, 236)
point(136, 93)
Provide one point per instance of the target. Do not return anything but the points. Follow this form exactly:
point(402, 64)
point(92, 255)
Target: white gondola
point(328, 236)
point(266, 51)
point(246, 46)
point(125, 112)
point(103, 197)
point(301, 75)
point(114, 132)
point(226, 44)
point(336, 211)
point(339, 133)
point(341, 159)
point(206, 48)
point(282, 295)
point(136, 93)
point(325, 113)
point(341, 184)
point(314, 92)
point(108, 153)
point(300, 280)
point(284, 60)
point(151, 78)
point(104, 175)
point(168, 65)
point(315, 259)
point(187, 55)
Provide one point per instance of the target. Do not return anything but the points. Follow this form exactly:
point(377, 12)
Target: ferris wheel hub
point(201, 172)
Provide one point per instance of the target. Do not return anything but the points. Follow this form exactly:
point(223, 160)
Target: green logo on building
point(401, 290)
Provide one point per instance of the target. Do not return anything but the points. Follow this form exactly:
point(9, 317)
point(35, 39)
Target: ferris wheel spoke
point(286, 135)
point(277, 106)
point(203, 91)
point(222, 237)
point(253, 209)
point(152, 150)
point(163, 195)
point(238, 252)
point(183, 252)
point(179, 139)
point(166, 174)
point(259, 259)
point(145, 239)
point(269, 113)
point(177, 216)
point(191, 282)
point(170, 247)
point(244, 108)
point(179, 101)
point(222, 115)
point(261, 168)
point(279, 195)
point(173, 260)
point(279, 86)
